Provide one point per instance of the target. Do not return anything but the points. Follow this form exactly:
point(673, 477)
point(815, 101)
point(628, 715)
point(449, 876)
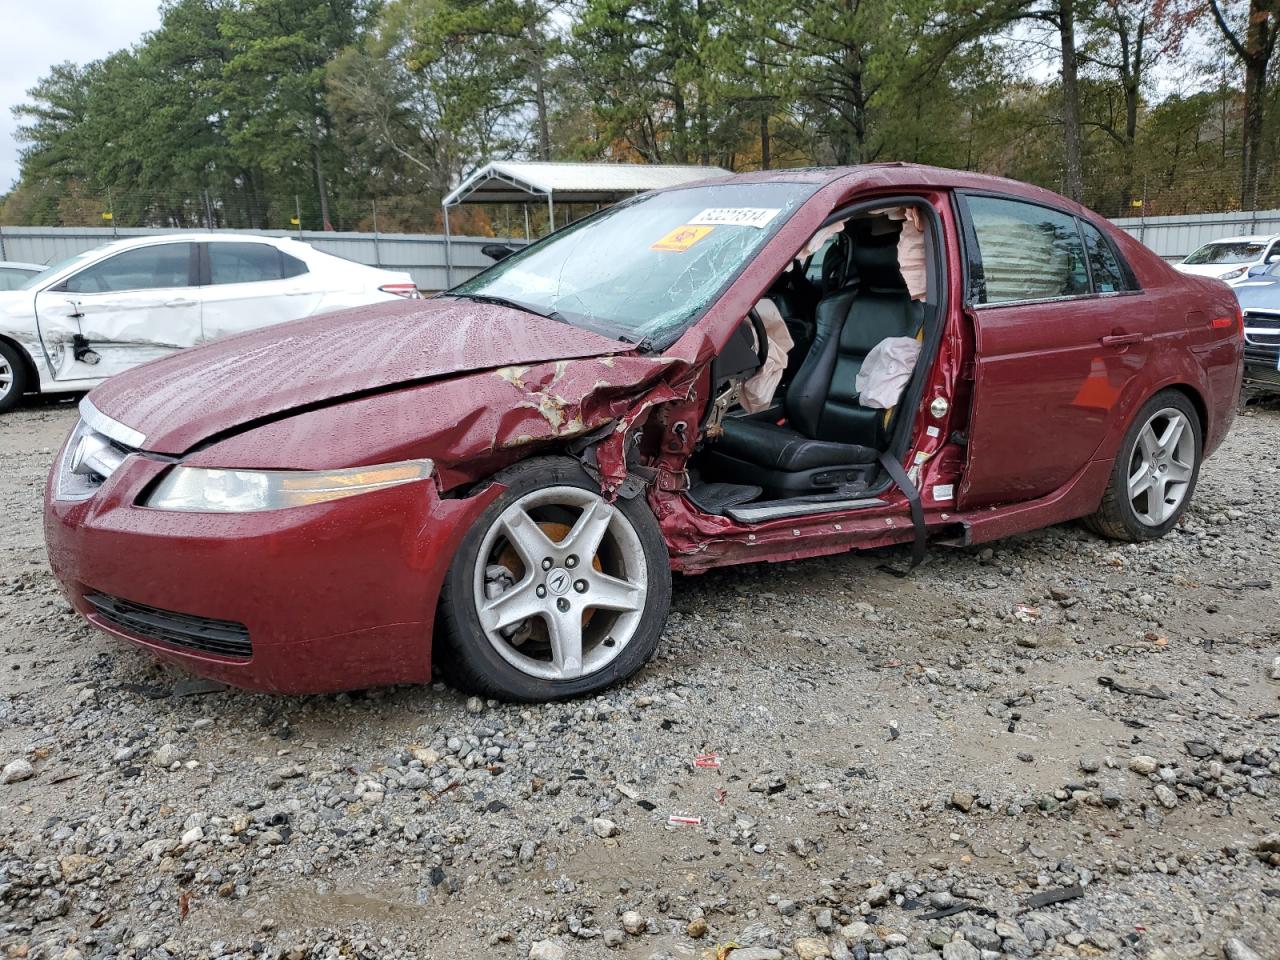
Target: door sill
point(777, 509)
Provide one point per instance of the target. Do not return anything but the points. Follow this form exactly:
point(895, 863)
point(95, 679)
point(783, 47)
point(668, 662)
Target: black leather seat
point(830, 438)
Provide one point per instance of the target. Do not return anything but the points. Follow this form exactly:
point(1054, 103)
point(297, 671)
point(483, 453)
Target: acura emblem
point(558, 581)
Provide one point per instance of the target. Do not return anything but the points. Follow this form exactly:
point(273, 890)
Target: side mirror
point(497, 251)
point(1259, 269)
point(1273, 258)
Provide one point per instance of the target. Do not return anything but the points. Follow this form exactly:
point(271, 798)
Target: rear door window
point(1024, 252)
point(156, 267)
point(1108, 275)
point(250, 263)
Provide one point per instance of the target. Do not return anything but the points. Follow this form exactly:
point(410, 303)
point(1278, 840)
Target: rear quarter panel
point(1192, 353)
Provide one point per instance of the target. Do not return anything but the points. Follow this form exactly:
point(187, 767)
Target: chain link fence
point(1152, 196)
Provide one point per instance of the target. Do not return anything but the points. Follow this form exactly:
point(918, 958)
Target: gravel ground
point(907, 768)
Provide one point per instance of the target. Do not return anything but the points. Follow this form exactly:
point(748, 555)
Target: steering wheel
point(762, 339)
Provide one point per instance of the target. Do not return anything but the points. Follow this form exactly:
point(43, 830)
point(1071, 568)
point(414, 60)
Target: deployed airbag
point(886, 371)
point(911, 253)
point(757, 393)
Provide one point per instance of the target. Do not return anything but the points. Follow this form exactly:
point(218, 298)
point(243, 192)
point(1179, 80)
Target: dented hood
point(185, 399)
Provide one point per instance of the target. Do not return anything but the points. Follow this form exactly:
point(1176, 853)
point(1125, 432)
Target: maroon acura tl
point(771, 366)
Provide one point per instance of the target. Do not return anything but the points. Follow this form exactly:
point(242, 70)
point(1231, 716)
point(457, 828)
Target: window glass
point(243, 263)
point(40, 278)
point(291, 266)
point(147, 268)
point(1028, 252)
point(1241, 251)
point(12, 279)
point(813, 272)
point(1108, 277)
point(645, 268)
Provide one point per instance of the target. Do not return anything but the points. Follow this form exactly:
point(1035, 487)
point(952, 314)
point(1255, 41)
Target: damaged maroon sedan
point(502, 478)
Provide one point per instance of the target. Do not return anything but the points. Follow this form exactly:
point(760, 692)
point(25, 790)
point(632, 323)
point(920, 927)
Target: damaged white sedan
point(129, 301)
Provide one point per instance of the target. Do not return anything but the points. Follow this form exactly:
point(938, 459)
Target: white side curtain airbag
point(886, 371)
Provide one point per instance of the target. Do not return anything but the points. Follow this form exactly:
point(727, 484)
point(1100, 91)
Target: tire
point(15, 376)
point(1161, 470)
point(517, 594)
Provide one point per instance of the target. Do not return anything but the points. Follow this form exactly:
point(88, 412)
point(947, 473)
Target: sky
point(50, 31)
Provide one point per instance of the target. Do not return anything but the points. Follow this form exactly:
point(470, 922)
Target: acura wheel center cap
point(559, 581)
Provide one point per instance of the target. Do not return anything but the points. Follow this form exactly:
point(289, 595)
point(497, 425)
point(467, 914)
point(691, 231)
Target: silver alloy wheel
point(6, 376)
point(1161, 467)
point(586, 589)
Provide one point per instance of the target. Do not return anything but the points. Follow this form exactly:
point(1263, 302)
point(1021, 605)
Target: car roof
point(1251, 238)
point(127, 243)
point(19, 265)
point(903, 175)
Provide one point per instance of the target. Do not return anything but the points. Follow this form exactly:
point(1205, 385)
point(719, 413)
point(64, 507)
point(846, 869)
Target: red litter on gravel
point(681, 820)
point(707, 760)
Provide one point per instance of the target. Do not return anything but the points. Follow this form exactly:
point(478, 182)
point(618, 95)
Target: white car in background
point(1229, 259)
point(88, 318)
point(14, 274)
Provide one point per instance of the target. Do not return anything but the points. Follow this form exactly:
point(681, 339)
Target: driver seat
point(830, 439)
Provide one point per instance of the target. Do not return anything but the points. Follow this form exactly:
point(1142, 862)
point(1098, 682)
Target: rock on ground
point(869, 729)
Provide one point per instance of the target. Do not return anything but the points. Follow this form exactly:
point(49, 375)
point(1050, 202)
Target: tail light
point(407, 290)
point(1234, 321)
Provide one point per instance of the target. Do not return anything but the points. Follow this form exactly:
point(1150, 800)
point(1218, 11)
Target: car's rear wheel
point(13, 377)
point(1155, 472)
point(555, 592)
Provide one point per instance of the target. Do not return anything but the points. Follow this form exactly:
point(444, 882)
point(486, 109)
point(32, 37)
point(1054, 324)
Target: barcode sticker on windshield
point(681, 239)
point(757, 217)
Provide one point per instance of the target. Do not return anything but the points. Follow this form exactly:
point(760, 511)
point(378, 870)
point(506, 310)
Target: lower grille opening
point(224, 637)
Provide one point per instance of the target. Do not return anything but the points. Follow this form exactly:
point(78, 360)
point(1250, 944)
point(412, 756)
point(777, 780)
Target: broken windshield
point(645, 269)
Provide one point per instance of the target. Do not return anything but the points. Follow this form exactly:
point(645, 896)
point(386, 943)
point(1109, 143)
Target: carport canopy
point(509, 181)
point(512, 181)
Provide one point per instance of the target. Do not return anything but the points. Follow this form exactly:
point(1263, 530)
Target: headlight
point(202, 490)
point(1234, 273)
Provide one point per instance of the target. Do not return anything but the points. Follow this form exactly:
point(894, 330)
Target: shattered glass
point(646, 269)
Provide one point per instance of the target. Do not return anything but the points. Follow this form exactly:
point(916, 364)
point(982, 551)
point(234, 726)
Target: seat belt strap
point(900, 478)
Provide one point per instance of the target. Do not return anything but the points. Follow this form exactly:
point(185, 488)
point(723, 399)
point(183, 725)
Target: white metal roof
point(509, 181)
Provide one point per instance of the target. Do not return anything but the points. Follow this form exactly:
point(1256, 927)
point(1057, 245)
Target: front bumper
point(1261, 348)
point(335, 596)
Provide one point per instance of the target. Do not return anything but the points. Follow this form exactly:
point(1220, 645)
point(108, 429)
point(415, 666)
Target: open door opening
point(805, 423)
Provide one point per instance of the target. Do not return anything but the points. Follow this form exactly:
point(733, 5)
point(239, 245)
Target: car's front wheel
point(1155, 471)
point(555, 592)
point(13, 377)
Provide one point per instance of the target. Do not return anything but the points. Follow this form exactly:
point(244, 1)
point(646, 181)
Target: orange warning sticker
point(681, 238)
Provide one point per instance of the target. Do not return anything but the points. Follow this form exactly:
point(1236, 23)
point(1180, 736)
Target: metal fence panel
point(1175, 237)
point(421, 254)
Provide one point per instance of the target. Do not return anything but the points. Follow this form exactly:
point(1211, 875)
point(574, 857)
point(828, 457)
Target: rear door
point(248, 284)
point(1059, 328)
point(120, 311)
